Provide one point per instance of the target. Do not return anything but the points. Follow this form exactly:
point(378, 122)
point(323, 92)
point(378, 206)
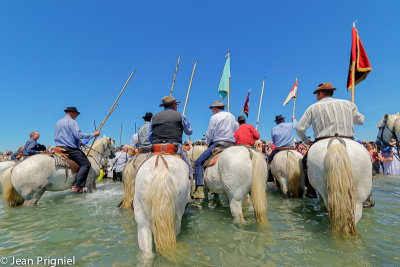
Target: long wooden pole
point(120, 136)
point(113, 107)
point(176, 70)
point(294, 105)
point(190, 85)
point(353, 70)
point(115, 102)
point(259, 108)
point(229, 82)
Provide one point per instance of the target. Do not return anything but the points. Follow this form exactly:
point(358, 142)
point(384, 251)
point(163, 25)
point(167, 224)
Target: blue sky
point(56, 54)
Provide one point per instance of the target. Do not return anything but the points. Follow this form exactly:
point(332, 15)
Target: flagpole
point(229, 81)
point(294, 105)
point(190, 84)
point(353, 70)
point(259, 108)
point(176, 70)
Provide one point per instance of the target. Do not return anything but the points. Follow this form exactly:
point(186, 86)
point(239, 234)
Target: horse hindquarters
point(340, 190)
point(294, 175)
point(258, 184)
point(10, 195)
point(160, 198)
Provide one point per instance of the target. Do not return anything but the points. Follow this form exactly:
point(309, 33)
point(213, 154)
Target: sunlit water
point(92, 228)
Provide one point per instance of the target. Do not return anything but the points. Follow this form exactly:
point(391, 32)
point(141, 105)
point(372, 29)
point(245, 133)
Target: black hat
point(72, 109)
point(148, 115)
point(241, 118)
point(279, 118)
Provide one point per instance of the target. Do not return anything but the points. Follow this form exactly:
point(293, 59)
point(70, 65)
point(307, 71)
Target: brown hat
point(168, 100)
point(217, 103)
point(324, 87)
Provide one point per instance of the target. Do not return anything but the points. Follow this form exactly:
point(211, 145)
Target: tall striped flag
point(246, 105)
point(292, 94)
point(226, 74)
point(359, 63)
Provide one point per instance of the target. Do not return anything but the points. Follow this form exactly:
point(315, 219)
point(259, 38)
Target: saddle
point(170, 149)
point(216, 152)
point(283, 148)
point(159, 150)
point(61, 159)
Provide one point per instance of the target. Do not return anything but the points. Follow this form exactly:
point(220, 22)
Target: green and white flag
point(226, 74)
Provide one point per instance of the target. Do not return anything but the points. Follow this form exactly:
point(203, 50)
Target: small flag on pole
point(359, 63)
point(292, 94)
point(226, 74)
point(246, 105)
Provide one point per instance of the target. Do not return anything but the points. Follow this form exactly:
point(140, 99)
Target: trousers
point(198, 164)
point(80, 158)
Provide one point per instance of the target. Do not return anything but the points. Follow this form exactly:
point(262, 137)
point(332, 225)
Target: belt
point(282, 148)
point(338, 136)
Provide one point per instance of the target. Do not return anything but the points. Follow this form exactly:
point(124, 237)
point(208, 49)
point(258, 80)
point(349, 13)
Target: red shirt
point(246, 134)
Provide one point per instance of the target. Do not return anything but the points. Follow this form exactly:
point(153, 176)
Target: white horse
point(238, 172)
point(162, 190)
point(341, 171)
point(287, 169)
point(26, 182)
point(389, 128)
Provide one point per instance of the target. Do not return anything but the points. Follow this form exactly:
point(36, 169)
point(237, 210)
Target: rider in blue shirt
point(67, 135)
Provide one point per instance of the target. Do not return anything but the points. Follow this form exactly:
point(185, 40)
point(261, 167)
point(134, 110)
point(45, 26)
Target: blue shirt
point(187, 127)
point(67, 133)
point(222, 127)
point(14, 155)
point(282, 134)
point(29, 147)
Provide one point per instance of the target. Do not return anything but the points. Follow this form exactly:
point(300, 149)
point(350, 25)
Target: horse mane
point(97, 146)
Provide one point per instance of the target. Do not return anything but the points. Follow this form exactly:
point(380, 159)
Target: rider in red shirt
point(246, 134)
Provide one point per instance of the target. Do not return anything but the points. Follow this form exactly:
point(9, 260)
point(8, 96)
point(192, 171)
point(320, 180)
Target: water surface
point(92, 228)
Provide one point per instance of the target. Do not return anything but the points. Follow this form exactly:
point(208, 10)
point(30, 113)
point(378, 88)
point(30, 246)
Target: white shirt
point(222, 127)
point(328, 117)
point(120, 160)
point(134, 139)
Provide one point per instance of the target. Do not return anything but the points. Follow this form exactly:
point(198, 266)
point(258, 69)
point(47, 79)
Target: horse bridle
point(102, 154)
point(382, 130)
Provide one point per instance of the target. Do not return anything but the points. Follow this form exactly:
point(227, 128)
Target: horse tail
point(161, 200)
point(340, 189)
point(258, 184)
point(128, 176)
point(293, 171)
point(10, 195)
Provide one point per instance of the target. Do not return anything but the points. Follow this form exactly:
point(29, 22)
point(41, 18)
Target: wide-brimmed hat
point(241, 118)
point(279, 118)
point(324, 87)
point(217, 103)
point(168, 100)
point(72, 109)
point(148, 115)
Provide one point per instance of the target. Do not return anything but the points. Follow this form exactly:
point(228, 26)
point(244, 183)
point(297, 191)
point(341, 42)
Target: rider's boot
point(199, 194)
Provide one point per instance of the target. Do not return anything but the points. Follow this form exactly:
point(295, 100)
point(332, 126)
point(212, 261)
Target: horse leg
point(144, 232)
point(35, 197)
point(358, 212)
point(236, 210)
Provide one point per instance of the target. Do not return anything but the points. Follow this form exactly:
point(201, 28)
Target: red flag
point(359, 63)
point(246, 105)
point(292, 94)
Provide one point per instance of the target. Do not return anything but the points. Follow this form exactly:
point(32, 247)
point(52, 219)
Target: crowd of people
point(224, 130)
